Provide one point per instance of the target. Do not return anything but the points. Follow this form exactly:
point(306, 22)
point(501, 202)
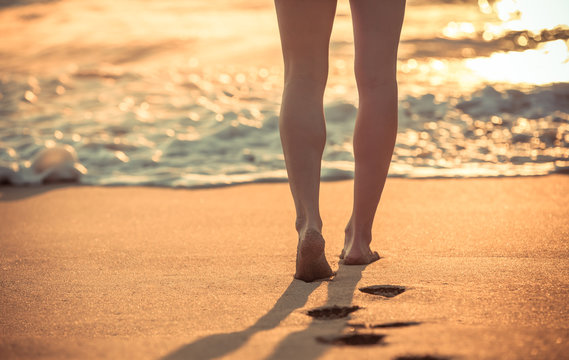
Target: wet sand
point(133, 272)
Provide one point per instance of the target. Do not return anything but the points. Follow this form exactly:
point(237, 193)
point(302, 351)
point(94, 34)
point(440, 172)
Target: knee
point(376, 75)
point(308, 74)
point(376, 83)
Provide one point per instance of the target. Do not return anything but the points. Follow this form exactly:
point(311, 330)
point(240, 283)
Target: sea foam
point(203, 131)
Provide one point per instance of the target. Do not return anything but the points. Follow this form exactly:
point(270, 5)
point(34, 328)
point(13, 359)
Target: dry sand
point(92, 272)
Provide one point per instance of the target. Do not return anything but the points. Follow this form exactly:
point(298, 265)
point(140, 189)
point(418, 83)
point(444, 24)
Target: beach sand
point(146, 273)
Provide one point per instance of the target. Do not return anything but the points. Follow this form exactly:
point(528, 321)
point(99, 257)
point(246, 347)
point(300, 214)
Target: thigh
point(305, 27)
point(377, 27)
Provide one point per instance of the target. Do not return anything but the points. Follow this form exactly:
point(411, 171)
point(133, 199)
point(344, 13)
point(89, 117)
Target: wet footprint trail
point(358, 338)
point(388, 291)
point(353, 339)
point(332, 312)
point(339, 312)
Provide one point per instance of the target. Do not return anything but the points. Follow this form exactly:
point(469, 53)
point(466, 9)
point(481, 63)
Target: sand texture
point(147, 273)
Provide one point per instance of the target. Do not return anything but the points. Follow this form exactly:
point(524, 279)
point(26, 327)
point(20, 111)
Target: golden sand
point(94, 272)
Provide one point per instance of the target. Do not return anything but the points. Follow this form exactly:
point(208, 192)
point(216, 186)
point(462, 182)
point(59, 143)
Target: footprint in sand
point(332, 312)
point(366, 339)
point(388, 291)
point(353, 339)
point(358, 339)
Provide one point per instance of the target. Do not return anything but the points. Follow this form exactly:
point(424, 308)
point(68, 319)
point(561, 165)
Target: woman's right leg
point(377, 26)
point(305, 27)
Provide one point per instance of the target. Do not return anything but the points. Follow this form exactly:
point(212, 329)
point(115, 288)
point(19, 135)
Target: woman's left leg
point(305, 27)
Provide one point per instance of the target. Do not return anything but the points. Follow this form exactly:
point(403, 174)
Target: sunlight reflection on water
point(181, 98)
point(549, 63)
point(530, 14)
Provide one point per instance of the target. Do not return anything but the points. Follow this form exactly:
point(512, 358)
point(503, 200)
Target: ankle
point(360, 236)
point(360, 228)
point(309, 225)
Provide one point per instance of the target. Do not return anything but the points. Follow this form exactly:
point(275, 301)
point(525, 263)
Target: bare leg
point(377, 26)
point(305, 28)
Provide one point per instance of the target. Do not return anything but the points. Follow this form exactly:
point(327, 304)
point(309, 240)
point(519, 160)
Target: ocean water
point(187, 93)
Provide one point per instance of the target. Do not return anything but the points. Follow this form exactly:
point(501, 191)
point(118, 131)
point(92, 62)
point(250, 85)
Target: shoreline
point(36, 187)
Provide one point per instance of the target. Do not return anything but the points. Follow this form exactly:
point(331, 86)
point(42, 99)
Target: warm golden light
point(517, 15)
point(549, 63)
point(164, 85)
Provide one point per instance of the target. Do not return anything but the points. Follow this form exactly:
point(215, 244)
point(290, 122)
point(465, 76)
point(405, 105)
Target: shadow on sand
point(12, 3)
point(13, 193)
point(340, 292)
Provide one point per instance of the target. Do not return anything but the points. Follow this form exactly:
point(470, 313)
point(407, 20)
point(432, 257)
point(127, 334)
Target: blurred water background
point(186, 93)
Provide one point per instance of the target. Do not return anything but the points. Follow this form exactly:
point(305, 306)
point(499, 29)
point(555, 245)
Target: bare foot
point(357, 252)
point(311, 262)
point(360, 255)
